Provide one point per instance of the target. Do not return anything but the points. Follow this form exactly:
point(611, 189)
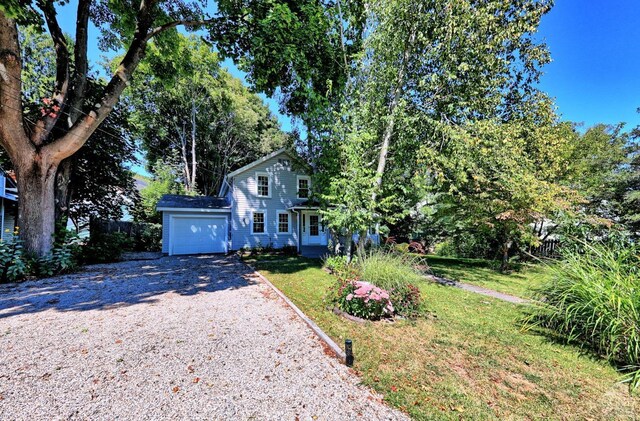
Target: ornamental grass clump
point(593, 298)
point(397, 274)
point(389, 270)
point(362, 299)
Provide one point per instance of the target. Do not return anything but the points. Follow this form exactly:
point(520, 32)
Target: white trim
point(194, 210)
point(259, 161)
point(172, 217)
point(269, 184)
point(264, 212)
point(224, 187)
point(303, 177)
point(322, 231)
point(283, 212)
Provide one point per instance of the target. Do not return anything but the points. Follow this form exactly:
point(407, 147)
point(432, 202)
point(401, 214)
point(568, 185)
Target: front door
point(313, 231)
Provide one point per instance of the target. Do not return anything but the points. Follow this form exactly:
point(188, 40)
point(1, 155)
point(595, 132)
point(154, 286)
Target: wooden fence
point(548, 249)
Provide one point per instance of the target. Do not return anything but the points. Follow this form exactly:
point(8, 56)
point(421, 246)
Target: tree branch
point(47, 121)
point(81, 62)
point(166, 26)
point(12, 134)
point(73, 140)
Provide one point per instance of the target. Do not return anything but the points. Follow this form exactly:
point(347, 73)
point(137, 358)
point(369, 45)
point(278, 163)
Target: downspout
point(298, 216)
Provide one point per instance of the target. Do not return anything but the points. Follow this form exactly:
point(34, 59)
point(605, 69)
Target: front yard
point(468, 358)
point(480, 272)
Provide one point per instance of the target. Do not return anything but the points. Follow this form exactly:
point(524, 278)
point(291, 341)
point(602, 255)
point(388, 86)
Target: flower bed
point(363, 300)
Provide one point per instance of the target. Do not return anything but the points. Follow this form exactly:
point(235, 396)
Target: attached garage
point(198, 234)
point(194, 224)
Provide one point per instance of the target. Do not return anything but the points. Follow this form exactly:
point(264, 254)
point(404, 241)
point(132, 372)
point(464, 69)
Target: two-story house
point(263, 203)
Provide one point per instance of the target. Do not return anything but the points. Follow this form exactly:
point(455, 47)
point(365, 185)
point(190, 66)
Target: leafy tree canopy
point(196, 109)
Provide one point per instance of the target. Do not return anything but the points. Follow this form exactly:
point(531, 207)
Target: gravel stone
point(194, 337)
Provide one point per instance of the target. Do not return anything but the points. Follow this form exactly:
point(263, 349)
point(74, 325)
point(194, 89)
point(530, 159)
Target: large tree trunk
point(34, 153)
point(36, 207)
point(63, 192)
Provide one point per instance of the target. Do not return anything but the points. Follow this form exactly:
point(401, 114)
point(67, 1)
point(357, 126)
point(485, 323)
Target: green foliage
point(407, 301)
point(164, 181)
point(402, 248)
point(605, 169)
point(149, 238)
point(390, 270)
point(593, 298)
point(100, 182)
point(16, 265)
point(427, 72)
point(289, 250)
point(62, 259)
point(106, 248)
point(446, 248)
point(302, 47)
point(495, 180)
point(13, 262)
point(192, 109)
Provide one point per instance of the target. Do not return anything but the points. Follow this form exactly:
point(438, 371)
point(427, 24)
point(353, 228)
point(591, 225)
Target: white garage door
point(195, 234)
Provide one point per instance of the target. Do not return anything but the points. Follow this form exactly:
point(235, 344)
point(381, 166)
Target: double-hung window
point(263, 185)
point(283, 222)
point(304, 186)
point(259, 223)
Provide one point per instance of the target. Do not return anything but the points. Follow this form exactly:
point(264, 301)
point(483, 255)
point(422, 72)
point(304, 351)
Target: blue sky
point(595, 47)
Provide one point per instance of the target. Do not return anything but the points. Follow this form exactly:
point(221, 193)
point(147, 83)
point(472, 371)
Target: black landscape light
point(348, 350)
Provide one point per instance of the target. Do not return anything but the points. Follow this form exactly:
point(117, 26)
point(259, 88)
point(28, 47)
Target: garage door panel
point(196, 235)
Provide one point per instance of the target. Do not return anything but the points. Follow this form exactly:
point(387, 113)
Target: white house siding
point(244, 200)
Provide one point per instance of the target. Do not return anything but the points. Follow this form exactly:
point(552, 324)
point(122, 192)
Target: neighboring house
point(8, 205)
point(264, 203)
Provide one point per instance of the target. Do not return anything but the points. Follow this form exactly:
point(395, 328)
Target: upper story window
point(263, 184)
point(304, 187)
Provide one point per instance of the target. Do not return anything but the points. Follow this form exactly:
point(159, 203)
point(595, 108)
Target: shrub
point(149, 237)
point(63, 257)
point(401, 248)
point(593, 298)
point(338, 266)
point(335, 263)
point(13, 263)
point(106, 248)
point(445, 249)
point(362, 299)
point(407, 301)
point(416, 247)
point(289, 250)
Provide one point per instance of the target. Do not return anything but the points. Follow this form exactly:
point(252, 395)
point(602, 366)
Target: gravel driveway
point(174, 338)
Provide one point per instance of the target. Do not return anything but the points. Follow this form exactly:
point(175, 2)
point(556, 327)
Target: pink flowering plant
point(362, 299)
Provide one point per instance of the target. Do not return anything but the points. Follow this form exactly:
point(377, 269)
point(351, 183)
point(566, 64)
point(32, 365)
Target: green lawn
point(467, 360)
point(482, 273)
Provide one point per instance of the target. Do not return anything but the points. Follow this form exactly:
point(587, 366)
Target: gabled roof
point(261, 160)
point(177, 201)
